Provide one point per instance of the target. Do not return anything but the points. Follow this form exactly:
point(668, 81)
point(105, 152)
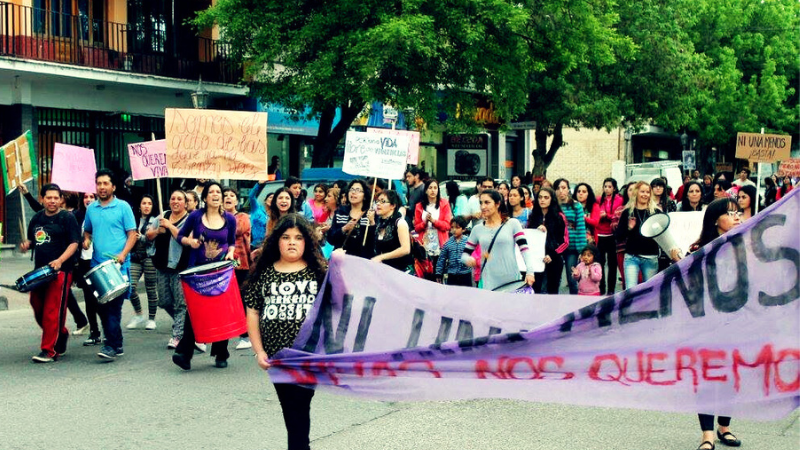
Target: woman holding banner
point(721, 216)
point(211, 234)
point(291, 257)
point(497, 236)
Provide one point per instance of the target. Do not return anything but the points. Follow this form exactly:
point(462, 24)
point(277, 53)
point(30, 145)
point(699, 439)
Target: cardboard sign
point(18, 161)
point(148, 159)
point(413, 141)
point(685, 227)
point(204, 143)
point(74, 168)
point(790, 167)
point(763, 147)
point(375, 155)
point(723, 167)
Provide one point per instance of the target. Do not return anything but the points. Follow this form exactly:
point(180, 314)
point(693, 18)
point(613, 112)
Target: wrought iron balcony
point(45, 35)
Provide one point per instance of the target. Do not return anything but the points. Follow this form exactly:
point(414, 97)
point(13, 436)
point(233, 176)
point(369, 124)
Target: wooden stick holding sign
point(158, 183)
point(18, 162)
point(374, 184)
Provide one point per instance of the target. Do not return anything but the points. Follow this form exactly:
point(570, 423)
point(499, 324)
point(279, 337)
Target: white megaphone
point(656, 227)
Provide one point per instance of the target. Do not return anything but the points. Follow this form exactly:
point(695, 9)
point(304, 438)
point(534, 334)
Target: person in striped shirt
point(576, 226)
point(449, 262)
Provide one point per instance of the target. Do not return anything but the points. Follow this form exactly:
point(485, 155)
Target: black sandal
point(706, 448)
point(728, 438)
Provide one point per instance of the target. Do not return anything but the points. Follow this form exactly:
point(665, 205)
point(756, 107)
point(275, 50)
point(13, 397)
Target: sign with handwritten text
point(18, 162)
point(375, 155)
point(73, 168)
point(790, 167)
point(148, 159)
point(763, 147)
point(413, 141)
point(205, 143)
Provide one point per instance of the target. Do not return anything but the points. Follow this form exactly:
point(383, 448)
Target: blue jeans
point(634, 264)
point(111, 316)
point(570, 261)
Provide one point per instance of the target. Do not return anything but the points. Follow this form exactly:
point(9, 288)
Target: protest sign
point(717, 333)
point(205, 143)
point(763, 147)
point(413, 141)
point(536, 242)
point(375, 155)
point(74, 168)
point(685, 227)
point(148, 160)
point(688, 160)
point(790, 167)
point(18, 161)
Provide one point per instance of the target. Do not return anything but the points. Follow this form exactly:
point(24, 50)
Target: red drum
point(214, 302)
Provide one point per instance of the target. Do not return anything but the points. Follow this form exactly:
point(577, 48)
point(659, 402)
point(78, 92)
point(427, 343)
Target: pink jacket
point(589, 279)
point(442, 225)
point(604, 224)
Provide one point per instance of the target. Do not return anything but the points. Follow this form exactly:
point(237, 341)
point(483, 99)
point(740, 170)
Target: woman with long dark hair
point(785, 188)
point(290, 257)
point(770, 192)
point(661, 197)
point(591, 210)
point(282, 204)
point(497, 237)
point(210, 233)
point(608, 203)
point(317, 204)
point(746, 198)
point(548, 218)
point(458, 201)
point(432, 219)
point(392, 239)
point(142, 264)
point(721, 216)
point(516, 205)
point(692, 197)
point(576, 225)
point(351, 221)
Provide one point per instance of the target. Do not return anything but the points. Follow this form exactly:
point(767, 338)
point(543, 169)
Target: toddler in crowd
point(588, 272)
point(449, 261)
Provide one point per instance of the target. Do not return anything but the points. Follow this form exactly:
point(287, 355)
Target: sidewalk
point(12, 267)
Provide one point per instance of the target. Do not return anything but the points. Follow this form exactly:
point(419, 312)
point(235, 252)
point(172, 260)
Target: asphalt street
point(143, 401)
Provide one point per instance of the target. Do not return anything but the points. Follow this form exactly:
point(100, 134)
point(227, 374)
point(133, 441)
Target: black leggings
point(608, 255)
point(459, 279)
point(552, 271)
point(296, 406)
point(186, 345)
point(707, 421)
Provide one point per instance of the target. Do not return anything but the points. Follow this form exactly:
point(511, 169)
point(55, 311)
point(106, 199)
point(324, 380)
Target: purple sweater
point(215, 243)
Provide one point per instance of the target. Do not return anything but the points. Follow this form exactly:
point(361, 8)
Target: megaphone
point(656, 227)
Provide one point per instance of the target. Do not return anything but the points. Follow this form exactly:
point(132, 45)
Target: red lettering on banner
point(779, 383)
point(651, 357)
point(764, 358)
point(639, 364)
point(482, 368)
point(299, 376)
point(382, 366)
point(597, 364)
point(512, 364)
point(405, 366)
point(558, 361)
point(680, 367)
point(358, 368)
point(707, 356)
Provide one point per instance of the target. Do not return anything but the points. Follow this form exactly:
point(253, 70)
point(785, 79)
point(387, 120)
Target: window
point(53, 17)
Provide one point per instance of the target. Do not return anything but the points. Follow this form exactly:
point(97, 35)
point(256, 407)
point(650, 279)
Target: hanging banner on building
point(18, 162)
point(148, 160)
point(74, 168)
point(375, 155)
point(790, 167)
point(413, 141)
point(207, 143)
point(716, 333)
point(763, 147)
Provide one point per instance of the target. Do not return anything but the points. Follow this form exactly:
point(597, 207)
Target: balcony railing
point(45, 35)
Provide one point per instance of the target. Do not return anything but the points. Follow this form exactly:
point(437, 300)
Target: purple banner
point(210, 284)
point(717, 333)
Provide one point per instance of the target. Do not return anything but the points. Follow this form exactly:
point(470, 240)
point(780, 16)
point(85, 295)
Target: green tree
point(343, 54)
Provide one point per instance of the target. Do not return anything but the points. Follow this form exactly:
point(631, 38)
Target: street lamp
point(684, 140)
point(200, 96)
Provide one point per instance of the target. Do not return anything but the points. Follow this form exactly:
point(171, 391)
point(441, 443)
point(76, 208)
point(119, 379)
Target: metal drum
point(35, 278)
point(107, 281)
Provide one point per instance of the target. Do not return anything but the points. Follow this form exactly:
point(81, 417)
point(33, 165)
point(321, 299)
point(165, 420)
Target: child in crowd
point(588, 273)
point(458, 274)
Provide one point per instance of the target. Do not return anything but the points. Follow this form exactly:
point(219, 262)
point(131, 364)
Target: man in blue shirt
point(110, 226)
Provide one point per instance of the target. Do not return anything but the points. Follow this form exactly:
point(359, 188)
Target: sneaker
point(120, 352)
point(135, 322)
point(244, 343)
point(151, 325)
point(43, 357)
point(81, 330)
point(107, 353)
point(200, 348)
point(181, 361)
point(173, 342)
point(92, 341)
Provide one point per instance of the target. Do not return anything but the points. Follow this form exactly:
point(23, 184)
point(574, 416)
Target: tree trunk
point(328, 137)
point(542, 157)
